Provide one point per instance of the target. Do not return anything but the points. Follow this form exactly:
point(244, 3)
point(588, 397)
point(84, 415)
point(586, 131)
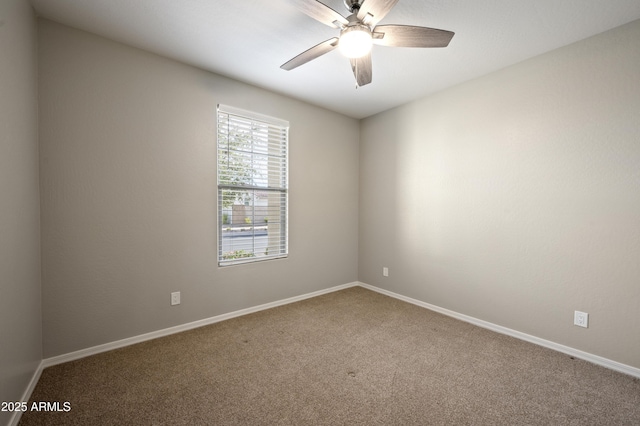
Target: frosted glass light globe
point(355, 41)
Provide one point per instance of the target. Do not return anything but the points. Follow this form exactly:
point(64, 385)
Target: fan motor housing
point(355, 26)
point(352, 5)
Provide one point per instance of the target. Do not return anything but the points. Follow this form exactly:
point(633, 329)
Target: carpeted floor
point(352, 357)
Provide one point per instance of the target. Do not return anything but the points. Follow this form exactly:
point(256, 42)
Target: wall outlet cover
point(581, 319)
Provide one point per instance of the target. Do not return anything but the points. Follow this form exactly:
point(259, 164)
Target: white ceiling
point(249, 40)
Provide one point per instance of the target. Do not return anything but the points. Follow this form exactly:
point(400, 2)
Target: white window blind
point(252, 186)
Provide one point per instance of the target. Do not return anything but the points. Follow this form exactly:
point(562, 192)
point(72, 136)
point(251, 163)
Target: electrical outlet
point(581, 319)
point(385, 271)
point(175, 298)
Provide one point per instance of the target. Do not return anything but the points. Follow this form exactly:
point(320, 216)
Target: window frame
point(268, 138)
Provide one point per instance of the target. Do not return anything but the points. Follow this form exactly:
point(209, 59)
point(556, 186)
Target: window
point(252, 186)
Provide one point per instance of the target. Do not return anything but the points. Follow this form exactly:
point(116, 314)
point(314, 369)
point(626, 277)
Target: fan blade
point(410, 36)
point(311, 54)
point(372, 11)
point(321, 12)
point(362, 69)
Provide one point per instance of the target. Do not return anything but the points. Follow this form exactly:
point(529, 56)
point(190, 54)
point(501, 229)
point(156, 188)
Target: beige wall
point(20, 325)
point(128, 186)
point(515, 198)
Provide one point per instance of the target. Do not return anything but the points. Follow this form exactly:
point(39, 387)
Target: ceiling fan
point(359, 31)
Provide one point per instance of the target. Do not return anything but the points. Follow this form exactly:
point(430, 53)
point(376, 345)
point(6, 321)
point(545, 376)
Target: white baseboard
point(15, 419)
point(595, 359)
point(613, 365)
point(72, 356)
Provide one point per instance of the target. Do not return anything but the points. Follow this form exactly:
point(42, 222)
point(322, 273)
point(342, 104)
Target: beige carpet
point(352, 357)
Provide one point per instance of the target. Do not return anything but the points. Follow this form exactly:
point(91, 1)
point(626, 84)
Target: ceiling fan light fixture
point(355, 41)
point(358, 31)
